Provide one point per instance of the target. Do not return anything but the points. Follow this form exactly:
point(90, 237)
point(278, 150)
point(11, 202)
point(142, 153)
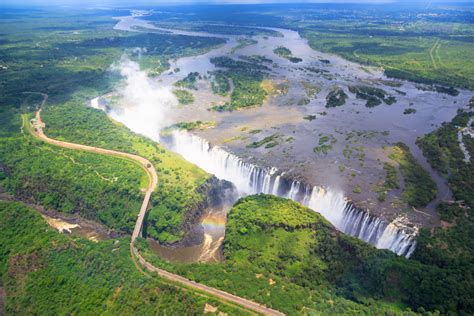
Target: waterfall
point(251, 179)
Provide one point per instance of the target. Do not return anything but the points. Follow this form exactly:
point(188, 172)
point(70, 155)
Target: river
point(354, 126)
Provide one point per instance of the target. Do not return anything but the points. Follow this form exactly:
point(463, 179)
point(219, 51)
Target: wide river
point(354, 126)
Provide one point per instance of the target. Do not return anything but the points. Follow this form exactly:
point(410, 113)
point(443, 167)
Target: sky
point(158, 2)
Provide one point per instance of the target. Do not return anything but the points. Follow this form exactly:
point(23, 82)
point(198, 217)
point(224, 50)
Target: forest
point(276, 251)
point(290, 258)
point(179, 180)
point(45, 272)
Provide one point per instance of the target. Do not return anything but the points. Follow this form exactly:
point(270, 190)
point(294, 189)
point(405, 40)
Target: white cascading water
point(250, 179)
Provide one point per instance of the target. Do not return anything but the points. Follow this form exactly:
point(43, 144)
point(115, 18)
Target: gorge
point(251, 179)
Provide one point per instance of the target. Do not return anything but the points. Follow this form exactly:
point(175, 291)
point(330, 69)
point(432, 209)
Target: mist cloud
point(144, 105)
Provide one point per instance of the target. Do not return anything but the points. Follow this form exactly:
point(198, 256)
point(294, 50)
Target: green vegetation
point(451, 247)
point(392, 181)
point(178, 181)
point(440, 89)
point(60, 52)
point(310, 89)
point(442, 150)
point(188, 82)
point(220, 84)
point(373, 96)
point(184, 96)
point(409, 111)
point(189, 126)
point(69, 180)
point(44, 273)
point(303, 101)
point(427, 52)
point(336, 97)
point(256, 59)
point(325, 144)
point(419, 189)
point(243, 42)
point(286, 53)
point(357, 189)
point(199, 26)
point(290, 258)
point(269, 142)
point(247, 78)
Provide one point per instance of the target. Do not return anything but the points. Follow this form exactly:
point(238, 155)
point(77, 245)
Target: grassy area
point(243, 42)
point(427, 52)
point(311, 89)
point(220, 84)
point(184, 96)
point(247, 79)
point(419, 189)
point(178, 180)
point(44, 272)
point(188, 82)
point(325, 144)
point(392, 182)
point(190, 126)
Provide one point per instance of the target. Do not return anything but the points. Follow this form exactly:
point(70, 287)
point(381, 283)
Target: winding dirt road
point(38, 132)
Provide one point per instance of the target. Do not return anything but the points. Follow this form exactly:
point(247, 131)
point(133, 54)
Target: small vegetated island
point(184, 97)
point(336, 97)
point(247, 77)
point(374, 96)
point(286, 53)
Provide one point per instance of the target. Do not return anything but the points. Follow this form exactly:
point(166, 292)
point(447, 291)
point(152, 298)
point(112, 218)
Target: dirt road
point(38, 126)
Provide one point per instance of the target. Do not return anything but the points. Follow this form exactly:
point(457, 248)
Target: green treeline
point(47, 273)
point(419, 188)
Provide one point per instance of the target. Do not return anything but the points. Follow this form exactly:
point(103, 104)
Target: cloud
point(144, 106)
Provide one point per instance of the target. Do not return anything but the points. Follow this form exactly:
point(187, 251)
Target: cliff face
point(213, 193)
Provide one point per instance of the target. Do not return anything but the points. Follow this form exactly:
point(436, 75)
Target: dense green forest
point(451, 246)
point(290, 258)
point(47, 273)
point(178, 180)
point(69, 180)
point(419, 188)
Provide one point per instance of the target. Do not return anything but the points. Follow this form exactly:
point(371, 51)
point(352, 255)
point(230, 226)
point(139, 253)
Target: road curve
point(38, 126)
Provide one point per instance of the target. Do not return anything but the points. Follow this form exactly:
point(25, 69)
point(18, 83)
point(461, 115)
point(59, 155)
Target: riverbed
point(368, 133)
